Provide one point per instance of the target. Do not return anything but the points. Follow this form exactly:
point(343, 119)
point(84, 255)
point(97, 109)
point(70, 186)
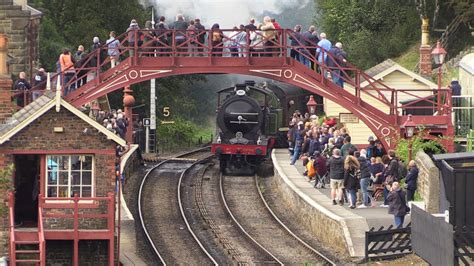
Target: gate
point(387, 243)
point(457, 171)
point(432, 237)
point(464, 245)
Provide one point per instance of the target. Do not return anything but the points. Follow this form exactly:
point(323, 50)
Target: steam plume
point(227, 13)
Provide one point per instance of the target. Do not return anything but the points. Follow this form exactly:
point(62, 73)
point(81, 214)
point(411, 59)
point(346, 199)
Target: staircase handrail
point(11, 206)
point(41, 239)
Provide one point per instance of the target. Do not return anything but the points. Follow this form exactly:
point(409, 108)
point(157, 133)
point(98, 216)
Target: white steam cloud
point(227, 13)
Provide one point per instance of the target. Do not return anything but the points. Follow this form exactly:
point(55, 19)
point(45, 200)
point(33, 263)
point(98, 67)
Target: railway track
point(249, 210)
point(162, 215)
point(239, 249)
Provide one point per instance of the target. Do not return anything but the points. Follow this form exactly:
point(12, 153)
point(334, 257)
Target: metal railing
point(137, 44)
point(58, 212)
point(463, 114)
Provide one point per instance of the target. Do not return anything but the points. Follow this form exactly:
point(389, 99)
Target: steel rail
point(260, 246)
point(180, 203)
point(140, 213)
point(288, 230)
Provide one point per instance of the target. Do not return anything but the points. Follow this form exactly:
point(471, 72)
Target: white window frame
point(69, 172)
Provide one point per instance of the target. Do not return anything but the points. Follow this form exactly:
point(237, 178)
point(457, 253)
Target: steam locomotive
point(241, 143)
point(252, 119)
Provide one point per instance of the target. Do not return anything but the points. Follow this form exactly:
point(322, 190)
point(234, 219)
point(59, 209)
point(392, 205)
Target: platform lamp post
point(311, 104)
point(439, 55)
point(95, 110)
point(409, 126)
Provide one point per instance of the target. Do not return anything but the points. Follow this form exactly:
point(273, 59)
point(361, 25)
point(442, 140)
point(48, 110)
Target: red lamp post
point(409, 127)
point(95, 109)
point(439, 55)
point(311, 104)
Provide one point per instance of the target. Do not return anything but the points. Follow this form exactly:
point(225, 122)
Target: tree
point(67, 23)
point(371, 30)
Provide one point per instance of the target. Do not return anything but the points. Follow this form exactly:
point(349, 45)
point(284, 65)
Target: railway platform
point(353, 222)
point(128, 243)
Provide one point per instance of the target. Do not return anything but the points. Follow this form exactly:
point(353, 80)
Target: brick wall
point(39, 136)
point(428, 182)
point(425, 61)
point(90, 252)
point(7, 107)
point(14, 22)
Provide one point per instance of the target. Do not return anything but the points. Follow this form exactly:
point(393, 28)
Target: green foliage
point(410, 58)
point(67, 23)
point(418, 142)
point(6, 184)
point(181, 134)
point(370, 30)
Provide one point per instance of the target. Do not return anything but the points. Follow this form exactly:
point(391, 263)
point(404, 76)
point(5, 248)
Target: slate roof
point(26, 112)
point(377, 69)
point(41, 105)
point(467, 63)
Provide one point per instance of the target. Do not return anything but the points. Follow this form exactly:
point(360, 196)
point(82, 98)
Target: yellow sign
point(167, 122)
point(348, 118)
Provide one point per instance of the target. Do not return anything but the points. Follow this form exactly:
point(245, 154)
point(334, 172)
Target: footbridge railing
point(134, 45)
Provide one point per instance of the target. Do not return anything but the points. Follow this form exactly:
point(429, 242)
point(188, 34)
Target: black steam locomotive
point(251, 120)
point(241, 143)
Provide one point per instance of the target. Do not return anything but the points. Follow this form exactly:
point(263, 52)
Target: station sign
point(146, 122)
point(348, 118)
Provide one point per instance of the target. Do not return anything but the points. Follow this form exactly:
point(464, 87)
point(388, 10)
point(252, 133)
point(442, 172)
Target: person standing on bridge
point(79, 58)
point(201, 36)
point(96, 59)
point(216, 38)
point(269, 36)
point(113, 49)
point(22, 88)
point(133, 36)
point(335, 61)
point(161, 31)
point(251, 26)
point(309, 41)
point(241, 40)
point(67, 68)
point(322, 51)
point(295, 42)
point(180, 26)
point(39, 83)
point(191, 35)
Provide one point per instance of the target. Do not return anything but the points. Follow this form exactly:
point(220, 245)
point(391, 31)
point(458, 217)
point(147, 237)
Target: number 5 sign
point(166, 111)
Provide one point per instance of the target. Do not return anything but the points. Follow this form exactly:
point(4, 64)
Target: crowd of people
point(356, 176)
point(115, 121)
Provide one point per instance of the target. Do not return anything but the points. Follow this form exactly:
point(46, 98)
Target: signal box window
point(69, 175)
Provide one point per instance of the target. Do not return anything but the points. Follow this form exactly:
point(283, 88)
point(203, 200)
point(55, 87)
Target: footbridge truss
point(149, 54)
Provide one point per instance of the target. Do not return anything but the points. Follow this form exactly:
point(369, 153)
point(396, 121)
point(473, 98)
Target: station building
point(59, 200)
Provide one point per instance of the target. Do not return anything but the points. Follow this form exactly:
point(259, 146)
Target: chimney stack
point(425, 49)
point(6, 106)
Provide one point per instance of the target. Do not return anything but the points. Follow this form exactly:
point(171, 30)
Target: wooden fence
point(387, 243)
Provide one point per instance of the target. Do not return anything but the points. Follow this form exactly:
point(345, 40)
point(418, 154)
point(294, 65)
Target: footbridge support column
point(128, 102)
